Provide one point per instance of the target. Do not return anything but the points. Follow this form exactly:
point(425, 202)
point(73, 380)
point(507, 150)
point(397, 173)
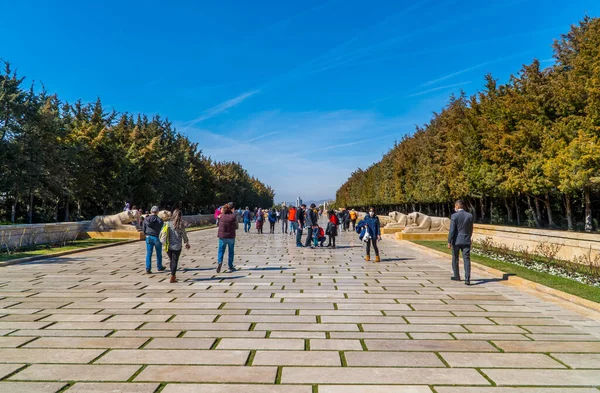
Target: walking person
point(312, 222)
point(247, 216)
point(177, 236)
point(151, 227)
point(374, 228)
point(292, 220)
point(272, 220)
point(346, 219)
point(284, 218)
point(226, 233)
point(260, 220)
point(353, 218)
point(217, 214)
point(332, 228)
point(340, 217)
point(301, 220)
point(459, 239)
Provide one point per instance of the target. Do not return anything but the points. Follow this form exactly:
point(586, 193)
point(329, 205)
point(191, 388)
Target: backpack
point(164, 236)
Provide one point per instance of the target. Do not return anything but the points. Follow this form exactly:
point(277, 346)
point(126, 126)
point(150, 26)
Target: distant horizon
point(302, 95)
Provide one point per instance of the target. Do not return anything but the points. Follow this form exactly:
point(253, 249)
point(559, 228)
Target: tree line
point(526, 152)
point(71, 161)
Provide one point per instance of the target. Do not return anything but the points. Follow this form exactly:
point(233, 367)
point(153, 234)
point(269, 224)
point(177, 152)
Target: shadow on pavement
point(219, 278)
point(268, 268)
point(198, 269)
point(481, 281)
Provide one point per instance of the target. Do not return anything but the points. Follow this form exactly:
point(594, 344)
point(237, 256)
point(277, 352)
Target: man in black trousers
point(459, 239)
point(300, 220)
point(312, 223)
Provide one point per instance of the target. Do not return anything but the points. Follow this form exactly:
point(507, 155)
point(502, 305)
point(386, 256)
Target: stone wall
point(199, 219)
point(25, 235)
point(573, 244)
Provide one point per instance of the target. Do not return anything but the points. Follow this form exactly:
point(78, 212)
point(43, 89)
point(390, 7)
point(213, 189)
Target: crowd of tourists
point(295, 221)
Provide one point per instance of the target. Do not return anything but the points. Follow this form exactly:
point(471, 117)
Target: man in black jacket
point(152, 226)
point(283, 215)
point(459, 239)
point(312, 223)
point(346, 219)
point(300, 219)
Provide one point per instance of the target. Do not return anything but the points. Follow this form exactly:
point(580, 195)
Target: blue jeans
point(223, 243)
point(247, 225)
point(293, 227)
point(152, 242)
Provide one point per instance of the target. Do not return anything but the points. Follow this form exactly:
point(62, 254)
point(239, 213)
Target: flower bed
point(584, 269)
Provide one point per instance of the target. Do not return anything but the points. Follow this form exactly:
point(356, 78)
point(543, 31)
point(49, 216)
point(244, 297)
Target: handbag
point(164, 236)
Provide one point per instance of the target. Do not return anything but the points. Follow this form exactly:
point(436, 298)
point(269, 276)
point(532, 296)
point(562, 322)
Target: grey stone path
point(292, 320)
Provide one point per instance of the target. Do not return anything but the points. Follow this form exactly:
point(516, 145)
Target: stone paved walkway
point(291, 321)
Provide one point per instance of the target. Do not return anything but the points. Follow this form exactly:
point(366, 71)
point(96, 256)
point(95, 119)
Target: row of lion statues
point(124, 221)
point(418, 223)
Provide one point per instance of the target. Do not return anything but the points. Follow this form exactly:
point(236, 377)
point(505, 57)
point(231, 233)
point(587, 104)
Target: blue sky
point(301, 93)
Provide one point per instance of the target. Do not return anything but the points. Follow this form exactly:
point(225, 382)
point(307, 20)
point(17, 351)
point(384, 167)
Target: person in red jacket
point(332, 227)
point(226, 234)
point(292, 220)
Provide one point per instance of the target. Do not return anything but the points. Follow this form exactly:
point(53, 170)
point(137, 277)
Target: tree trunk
point(78, 210)
point(13, 210)
point(473, 209)
point(588, 209)
point(66, 210)
point(56, 210)
point(30, 209)
point(533, 214)
point(509, 210)
point(482, 203)
point(538, 212)
point(517, 211)
point(549, 211)
point(491, 210)
point(569, 212)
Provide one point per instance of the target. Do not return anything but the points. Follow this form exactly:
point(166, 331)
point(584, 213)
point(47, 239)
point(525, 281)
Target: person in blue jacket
point(272, 219)
point(374, 228)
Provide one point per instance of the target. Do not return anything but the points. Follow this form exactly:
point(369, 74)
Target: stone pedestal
point(422, 236)
point(390, 231)
point(133, 235)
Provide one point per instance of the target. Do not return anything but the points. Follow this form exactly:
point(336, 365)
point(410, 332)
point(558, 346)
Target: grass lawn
point(77, 244)
point(562, 284)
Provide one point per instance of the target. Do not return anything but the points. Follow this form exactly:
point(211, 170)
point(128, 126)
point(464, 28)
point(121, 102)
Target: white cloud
point(220, 108)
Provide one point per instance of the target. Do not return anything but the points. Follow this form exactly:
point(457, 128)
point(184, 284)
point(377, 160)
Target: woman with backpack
point(332, 227)
point(272, 220)
point(176, 237)
point(260, 220)
point(374, 230)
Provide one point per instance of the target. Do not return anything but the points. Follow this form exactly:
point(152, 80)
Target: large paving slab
point(292, 320)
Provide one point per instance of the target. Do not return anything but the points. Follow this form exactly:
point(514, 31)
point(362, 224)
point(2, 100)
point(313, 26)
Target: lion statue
point(164, 215)
point(117, 222)
point(420, 223)
point(398, 220)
